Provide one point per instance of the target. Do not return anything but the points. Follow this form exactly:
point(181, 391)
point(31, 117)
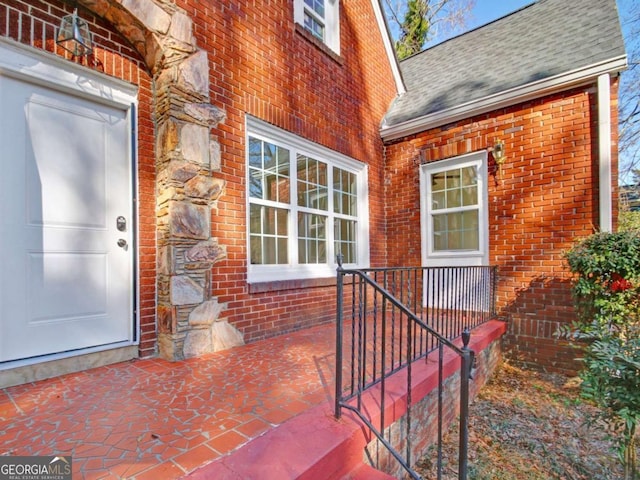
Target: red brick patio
point(153, 419)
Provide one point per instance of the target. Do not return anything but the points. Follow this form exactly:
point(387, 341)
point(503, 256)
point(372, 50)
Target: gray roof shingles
point(544, 39)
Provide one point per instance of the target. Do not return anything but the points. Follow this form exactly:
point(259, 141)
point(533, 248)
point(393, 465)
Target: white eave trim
point(388, 46)
point(506, 98)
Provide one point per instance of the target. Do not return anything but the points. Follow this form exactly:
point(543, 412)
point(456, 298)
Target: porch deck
point(151, 419)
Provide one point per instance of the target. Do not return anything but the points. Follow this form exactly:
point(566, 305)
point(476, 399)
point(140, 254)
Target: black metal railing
point(387, 318)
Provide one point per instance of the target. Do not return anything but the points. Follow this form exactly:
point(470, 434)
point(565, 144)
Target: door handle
point(122, 243)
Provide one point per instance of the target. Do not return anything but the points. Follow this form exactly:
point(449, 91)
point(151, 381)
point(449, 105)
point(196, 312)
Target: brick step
point(366, 472)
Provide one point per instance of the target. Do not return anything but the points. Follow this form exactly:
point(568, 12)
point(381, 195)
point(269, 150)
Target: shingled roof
point(544, 40)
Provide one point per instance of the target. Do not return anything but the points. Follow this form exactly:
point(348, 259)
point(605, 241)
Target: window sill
point(319, 44)
point(279, 285)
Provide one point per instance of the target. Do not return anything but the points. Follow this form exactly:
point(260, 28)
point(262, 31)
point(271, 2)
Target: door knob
point(122, 243)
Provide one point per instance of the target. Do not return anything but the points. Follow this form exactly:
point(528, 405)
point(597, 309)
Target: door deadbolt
point(121, 224)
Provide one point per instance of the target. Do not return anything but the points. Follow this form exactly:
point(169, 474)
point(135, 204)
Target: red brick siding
point(34, 23)
point(546, 198)
point(262, 65)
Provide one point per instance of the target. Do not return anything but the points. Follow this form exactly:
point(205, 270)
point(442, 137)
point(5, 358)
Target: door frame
point(42, 68)
point(453, 257)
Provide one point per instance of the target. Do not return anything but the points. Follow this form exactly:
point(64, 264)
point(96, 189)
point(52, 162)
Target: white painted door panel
point(65, 284)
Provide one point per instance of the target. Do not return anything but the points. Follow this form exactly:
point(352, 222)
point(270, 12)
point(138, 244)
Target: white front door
point(455, 229)
point(66, 275)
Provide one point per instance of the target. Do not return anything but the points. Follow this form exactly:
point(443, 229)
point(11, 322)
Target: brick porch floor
point(152, 419)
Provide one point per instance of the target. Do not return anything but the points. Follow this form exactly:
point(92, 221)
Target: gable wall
point(262, 64)
point(547, 197)
point(35, 24)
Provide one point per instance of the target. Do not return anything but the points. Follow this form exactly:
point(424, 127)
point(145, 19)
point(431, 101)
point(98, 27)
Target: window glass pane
point(452, 179)
point(255, 219)
point(454, 198)
point(255, 168)
point(438, 222)
point(311, 238)
point(270, 157)
point(255, 153)
point(456, 231)
point(439, 232)
point(312, 183)
point(316, 5)
point(438, 201)
point(269, 252)
point(470, 196)
point(256, 250)
point(437, 182)
point(471, 230)
point(282, 226)
point(312, 24)
point(268, 171)
point(471, 241)
point(345, 239)
point(283, 251)
point(470, 220)
point(268, 227)
point(345, 196)
point(469, 176)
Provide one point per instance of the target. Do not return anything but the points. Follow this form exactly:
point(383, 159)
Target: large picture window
point(306, 204)
point(454, 211)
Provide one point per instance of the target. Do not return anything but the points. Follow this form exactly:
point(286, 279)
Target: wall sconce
point(498, 155)
point(74, 35)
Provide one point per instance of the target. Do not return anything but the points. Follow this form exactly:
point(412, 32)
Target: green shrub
point(629, 220)
point(607, 273)
point(606, 292)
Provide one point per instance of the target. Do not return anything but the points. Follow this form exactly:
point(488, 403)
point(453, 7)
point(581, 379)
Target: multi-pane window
point(306, 205)
point(455, 206)
point(454, 210)
point(321, 19)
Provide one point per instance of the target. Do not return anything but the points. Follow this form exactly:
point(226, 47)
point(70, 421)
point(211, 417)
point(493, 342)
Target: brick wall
point(35, 23)
point(265, 66)
point(546, 198)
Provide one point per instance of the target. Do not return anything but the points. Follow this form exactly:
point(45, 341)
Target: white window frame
point(430, 257)
point(296, 145)
point(331, 21)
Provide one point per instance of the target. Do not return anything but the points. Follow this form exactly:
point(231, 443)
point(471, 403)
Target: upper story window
point(321, 18)
point(454, 211)
point(306, 204)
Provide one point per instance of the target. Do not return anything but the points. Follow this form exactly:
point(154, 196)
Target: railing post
point(494, 289)
point(465, 375)
point(339, 325)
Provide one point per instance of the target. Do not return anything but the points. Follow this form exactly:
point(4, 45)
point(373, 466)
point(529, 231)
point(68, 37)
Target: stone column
point(186, 188)
point(188, 323)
